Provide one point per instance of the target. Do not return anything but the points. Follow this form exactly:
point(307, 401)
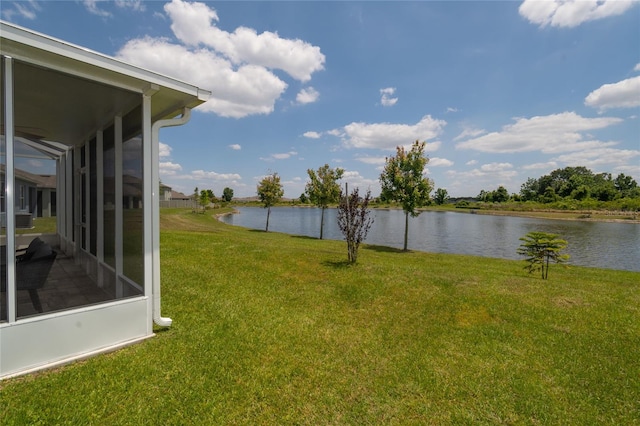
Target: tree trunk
point(546, 274)
point(406, 229)
point(321, 222)
point(268, 213)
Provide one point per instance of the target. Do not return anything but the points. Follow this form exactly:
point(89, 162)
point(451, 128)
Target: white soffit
point(49, 52)
point(65, 93)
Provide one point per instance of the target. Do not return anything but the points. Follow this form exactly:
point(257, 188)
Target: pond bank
point(584, 216)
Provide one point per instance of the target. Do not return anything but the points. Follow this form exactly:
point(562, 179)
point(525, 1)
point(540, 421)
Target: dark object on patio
point(32, 270)
point(34, 245)
point(32, 274)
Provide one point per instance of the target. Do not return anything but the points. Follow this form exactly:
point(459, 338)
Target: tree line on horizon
point(568, 183)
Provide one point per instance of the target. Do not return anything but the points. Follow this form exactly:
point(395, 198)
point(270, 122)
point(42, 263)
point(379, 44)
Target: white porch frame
point(45, 340)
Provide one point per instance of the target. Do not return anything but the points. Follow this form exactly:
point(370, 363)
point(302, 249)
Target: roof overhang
point(64, 92)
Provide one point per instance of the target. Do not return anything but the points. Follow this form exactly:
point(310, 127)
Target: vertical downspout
point(10, 189)
point(155, 208)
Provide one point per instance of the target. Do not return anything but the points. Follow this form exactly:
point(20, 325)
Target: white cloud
point(537, 166)
point(235, 147)
point(637, 67)
point(388, 136)
point(136, 5)
point(386, 99)
point(311, 135)
point(451, 109)
point(307, 95)
point(471, 163)
point(249, 89)
point(235, 67)
point(280, 156)
point(469, 132)
point(440, 162)
point(597, 157)
point(92, 7)
point(571, 13)
point(169, 169)
point(487, 177)
point(372, 160)
point(192, 24)
point(356, 180)
point(25, 9)
point(496, 167)
point(629, 169)
point(336, 132)
point(203, 175)
point(623, 94)
point(165, 150)
point(549, 134)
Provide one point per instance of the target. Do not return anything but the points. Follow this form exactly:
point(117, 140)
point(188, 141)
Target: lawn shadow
point(384, 249)
point(337, 264)
point(304, 237)
point(258, 230)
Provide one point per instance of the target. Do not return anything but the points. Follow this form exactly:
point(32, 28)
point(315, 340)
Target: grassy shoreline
point(277, 329)
point(592, 215)
point(576, 215)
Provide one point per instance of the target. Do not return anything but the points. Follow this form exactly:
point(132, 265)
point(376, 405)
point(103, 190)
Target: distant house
point(35, 196)
point(165, 192)
point(168, 194)
point(99, 119)
point(175, 195)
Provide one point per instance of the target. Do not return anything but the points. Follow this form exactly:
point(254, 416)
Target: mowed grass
point(278, 329)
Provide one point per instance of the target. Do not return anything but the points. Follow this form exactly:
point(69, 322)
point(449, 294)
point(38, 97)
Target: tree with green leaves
point(227, 194)
point(441, 196)
point(270, 192)
point(403, 181)
point(204, 199)
point(354, 220)
point(323, 188)
point(540, 248)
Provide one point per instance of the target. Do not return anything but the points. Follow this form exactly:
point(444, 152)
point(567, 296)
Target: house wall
point(45, 203)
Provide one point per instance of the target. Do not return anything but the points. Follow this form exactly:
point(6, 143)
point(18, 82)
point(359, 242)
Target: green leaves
point(402, 181)
point(270, 190)
point(540, 248)
point(323, 188)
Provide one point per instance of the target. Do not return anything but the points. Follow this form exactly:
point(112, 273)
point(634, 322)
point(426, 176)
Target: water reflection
point(597, 244)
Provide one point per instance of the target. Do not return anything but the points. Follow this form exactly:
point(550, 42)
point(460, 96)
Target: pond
point(596, 244)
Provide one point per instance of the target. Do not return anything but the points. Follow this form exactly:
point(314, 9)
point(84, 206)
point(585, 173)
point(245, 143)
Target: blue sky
point(500, 91)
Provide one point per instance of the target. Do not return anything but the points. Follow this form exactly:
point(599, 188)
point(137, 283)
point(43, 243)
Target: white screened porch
point(97, 119)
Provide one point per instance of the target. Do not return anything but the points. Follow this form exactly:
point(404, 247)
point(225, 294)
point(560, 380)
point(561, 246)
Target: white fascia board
point(98, 67)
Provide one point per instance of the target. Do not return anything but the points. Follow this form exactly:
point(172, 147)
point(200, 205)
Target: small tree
point(227, 194)
point(441, 196)
point(323, 188)
point(402, 181)
point(195, 197)
point(270, 191)
point(540, 248)
point(354, 220)
point(204, 199)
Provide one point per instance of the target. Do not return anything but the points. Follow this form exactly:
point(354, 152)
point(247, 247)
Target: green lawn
point(277, 329)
